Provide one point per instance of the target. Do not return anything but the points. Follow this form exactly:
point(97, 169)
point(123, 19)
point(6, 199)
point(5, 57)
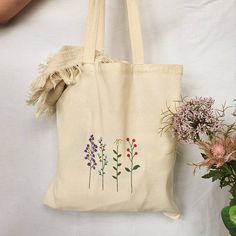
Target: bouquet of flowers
point(195, 121)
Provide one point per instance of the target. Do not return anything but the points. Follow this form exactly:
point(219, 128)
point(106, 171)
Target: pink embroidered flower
point(218, 150)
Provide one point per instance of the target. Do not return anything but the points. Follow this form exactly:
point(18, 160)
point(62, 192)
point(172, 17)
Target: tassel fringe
point(49, 86)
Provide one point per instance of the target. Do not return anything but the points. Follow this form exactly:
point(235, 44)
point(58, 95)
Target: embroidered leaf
point(114, 177)
point(127, 169)
point(117, 164)
point(136, 167)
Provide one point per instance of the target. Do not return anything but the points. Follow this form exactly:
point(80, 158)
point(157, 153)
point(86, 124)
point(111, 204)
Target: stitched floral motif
point(103, 159)
point(99, 150)
point(90, 150)
point(131, 154)
point(117, 163)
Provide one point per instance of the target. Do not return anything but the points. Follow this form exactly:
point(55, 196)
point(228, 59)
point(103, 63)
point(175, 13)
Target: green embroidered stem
point(131, 176)
point(131, 153)
point(90, 176)
point(102, 159)
point(103, 166)
point(118, 164)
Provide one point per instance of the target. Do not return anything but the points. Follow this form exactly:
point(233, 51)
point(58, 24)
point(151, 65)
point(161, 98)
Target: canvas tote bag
point(111, 155)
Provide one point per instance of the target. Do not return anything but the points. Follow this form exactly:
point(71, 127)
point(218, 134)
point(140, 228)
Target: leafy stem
point(103, 159)
point(131, 153)
point(117, 163)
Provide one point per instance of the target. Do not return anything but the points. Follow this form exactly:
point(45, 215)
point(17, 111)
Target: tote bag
point(111, 155)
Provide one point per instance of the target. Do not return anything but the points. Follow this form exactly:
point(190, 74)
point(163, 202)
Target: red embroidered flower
point(131, 153)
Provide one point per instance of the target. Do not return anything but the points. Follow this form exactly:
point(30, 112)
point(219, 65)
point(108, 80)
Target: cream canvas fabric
point(112, 157)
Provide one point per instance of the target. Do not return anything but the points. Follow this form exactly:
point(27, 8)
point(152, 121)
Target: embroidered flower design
point(90, 150)
point(117, 163)
point(131, 155)
point(103, 160)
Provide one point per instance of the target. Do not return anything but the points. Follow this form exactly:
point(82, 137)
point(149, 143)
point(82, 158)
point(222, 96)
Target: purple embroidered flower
point(90, 150)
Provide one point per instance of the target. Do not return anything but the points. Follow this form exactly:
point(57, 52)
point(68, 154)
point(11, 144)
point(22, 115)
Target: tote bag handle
point(94, 38)
point(95, 25)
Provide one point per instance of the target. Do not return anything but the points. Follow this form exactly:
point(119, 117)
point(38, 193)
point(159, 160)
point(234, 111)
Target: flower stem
point(131, 176)
point(102, 170)
point(90, 175)
point(117, 184)
point(131, 168)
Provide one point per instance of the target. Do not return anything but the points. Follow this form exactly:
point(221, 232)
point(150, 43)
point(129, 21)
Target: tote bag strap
point(94, 37)
point(95, 30)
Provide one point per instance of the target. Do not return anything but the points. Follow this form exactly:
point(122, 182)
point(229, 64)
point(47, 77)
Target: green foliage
point(228, 215)
point(225, 174)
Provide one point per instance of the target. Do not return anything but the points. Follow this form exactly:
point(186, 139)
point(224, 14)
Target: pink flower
point(218, 150)
point(194, 118)
point(234, 138)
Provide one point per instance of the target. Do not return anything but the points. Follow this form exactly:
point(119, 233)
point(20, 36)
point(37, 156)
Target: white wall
point(201, 34)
